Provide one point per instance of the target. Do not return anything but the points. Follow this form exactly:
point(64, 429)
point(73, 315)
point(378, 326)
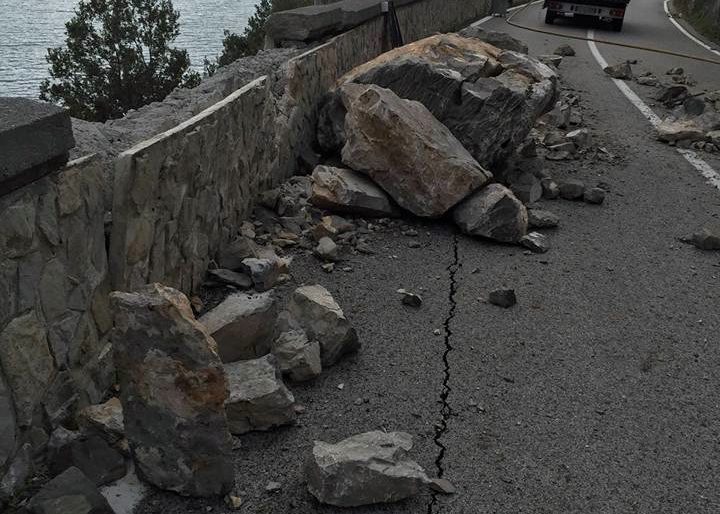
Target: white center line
point(707, 171)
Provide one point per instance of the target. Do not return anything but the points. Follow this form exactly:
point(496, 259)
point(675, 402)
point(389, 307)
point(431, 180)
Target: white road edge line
point(692, 157)
point(488, 18)
point(684, 31)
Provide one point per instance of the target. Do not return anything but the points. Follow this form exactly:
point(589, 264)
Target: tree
point(117, 57)
point(253, 37)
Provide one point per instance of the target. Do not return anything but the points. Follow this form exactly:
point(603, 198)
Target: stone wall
point(55, 315)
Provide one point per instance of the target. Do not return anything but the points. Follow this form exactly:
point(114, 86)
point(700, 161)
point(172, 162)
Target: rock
point(323, 320)
point(535, 242)
point(345, 190)
point(673, 95)
point(714, 137)
point(331, 124)
point(694, 106)
point(410, 299)
point(327, 250)
point(675, 71)
point(91, 454)
point(551, 60)
point(579, 137)
point(493, 212)
point(173, 391)
point(550, 189)
point(7, 422)
point(572, 189)
point(539, 218)
point(258, 397)
point(17, 472)
point(242, 325)
point(401, 146)
point(503, 297)
point(229, 277)
point(672, 131)
point(298, 358)
point(232, 255)
point(368, 468)
point(496, 39)
point(264, 273)
point(69, 493)
point(488, 98)
point(273, 487)
point(234, 502)
point(527, 188)
point(621, 71)
point(441, 485)
point(565, 50)
point(707, 239)
point(594, 195)
point(651, 81)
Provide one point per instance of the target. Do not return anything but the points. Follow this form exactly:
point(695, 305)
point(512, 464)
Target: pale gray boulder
point(343, 190)
point(298, 358)
point(258, 398)
point(494, 213)
point(323, 320)
point(242, 325)
point(368, 468)
point(173, 392)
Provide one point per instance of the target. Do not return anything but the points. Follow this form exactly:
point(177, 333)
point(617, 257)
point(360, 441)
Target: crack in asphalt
point(446, 411)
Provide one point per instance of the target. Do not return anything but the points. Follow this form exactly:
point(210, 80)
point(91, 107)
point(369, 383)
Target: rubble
point(502, 297)
point(621, 71)
point(539, 218)
point(364, 469)
point(69, 493)
point(400, 145)
point(242, 325)
point(258, 398)
point(572, 189)
point(344, 190)
point(324, 321)
point(493, 212)
point(173, 390)
point(594, 195)
point(298, 358)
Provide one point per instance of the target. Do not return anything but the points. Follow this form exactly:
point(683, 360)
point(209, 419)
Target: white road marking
point(692, 157)
point(488, 18)
point(684, 31)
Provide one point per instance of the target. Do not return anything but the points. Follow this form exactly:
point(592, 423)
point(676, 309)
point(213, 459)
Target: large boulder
point(258, 397)
point(298, 358)
point(493, 212)
point(343, 190)
point(242, 325)
point(323, 320)
point(364, 469)
point(489, 98)
point(69, 493)
point(406, 151)
point(497, 39)
point(173, 392)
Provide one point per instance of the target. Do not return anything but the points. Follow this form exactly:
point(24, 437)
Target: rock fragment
point(258, 398)
point(503, 298)
point(410, 299)
point(594, 195)
point(493, 212)
point(572, 189)
point(343, 190)
point(579, 137)
point(91, 454)
point(535, 242)
point(231, 256)
point(708, 238)
point(242, 325)
point(495, 38)
point(539, 218)
point(401, 146)
point(621, 71)
point(69, 493)
point(527, 188)
point(565, 50)
point(298, 358)
point(551, 60)
point(442, 485)
point(327, 250)
point(368, 468)
point(324, 321)
point(173, 390)
point(551, 191)
point(229, 277)
point(264, 272)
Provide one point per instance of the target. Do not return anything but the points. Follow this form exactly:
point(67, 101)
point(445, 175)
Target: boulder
point(263, 272)
point(69, 493)
point(105, 419)
point(487, 97)
point(327, 250)
point(672, 131)
point(368, 468)
point(406, 151)
point(323, 320)
point(343, 190)
point(173, 391)
point(539, 218)
point(493, 212)
point(242, 325)
point(231, 256)
point(298, 358)
point(621, 71)
point(594, 195)
point(258, 398)
point(90, 454)
point(572, 189)
point(526, 188)
point(550, 188)
point(497, 39)
point(565, 50)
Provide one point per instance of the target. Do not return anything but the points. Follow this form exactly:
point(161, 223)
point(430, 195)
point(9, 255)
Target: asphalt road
point(597, 393)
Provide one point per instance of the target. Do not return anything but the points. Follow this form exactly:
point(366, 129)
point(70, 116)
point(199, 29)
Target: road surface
point(597, 393)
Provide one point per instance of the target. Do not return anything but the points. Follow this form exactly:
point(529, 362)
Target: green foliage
point(117, 57)
point(252, 39)
point(701, 16)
